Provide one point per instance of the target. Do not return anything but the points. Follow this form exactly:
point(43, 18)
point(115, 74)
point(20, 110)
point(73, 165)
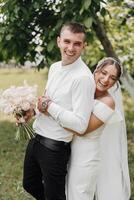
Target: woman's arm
point(94, 121)
point(93, 124)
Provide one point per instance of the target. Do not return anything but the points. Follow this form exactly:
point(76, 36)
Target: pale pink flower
point(15, 100)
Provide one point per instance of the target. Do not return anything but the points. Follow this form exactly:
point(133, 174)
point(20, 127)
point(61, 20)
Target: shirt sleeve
point(82, 104)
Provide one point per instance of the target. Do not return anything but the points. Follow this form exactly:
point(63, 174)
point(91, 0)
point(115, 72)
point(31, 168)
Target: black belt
point(51, 143)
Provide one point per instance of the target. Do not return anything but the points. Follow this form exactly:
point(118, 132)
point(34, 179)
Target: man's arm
point(101, 113)
point(82, 104)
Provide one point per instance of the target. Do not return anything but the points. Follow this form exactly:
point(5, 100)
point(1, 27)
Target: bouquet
point(17, 101)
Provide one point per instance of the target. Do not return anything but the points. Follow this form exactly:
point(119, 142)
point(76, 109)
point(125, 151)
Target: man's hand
point(39, 105)
point(43, 103)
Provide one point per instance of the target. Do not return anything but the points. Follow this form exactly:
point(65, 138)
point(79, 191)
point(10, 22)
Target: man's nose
point(71, 47)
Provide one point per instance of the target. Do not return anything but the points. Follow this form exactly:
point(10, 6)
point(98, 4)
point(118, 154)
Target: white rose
point(25, 106)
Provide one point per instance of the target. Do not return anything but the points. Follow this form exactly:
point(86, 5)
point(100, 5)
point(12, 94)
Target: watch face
point(44, 105)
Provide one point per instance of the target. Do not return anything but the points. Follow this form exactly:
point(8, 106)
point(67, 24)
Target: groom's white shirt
point(71, 89)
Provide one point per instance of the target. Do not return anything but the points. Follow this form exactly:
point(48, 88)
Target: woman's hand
point(29, 114)
point(25, 116)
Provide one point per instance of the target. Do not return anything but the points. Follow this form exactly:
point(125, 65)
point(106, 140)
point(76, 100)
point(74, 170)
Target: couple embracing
point(75, 156)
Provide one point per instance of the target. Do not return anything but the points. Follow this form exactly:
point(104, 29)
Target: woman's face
point(105, 77)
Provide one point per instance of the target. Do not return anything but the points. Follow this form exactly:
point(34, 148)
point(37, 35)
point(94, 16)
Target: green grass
point(129, 115)
point(12, 152)
point(11, 163)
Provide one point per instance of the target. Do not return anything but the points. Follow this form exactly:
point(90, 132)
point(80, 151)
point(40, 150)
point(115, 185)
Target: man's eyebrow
point(78, 42)
point(66, 39)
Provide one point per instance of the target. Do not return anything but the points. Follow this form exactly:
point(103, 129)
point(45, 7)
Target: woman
point(115, 183)
point(86, 167)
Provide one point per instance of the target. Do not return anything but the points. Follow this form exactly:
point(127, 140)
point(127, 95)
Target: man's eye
point(66, 41)
point(77, 44)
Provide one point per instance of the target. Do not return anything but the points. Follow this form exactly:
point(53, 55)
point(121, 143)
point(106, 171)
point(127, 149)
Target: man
point(71, 89)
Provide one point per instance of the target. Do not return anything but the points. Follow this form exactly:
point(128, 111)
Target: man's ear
point(58, 41)
point(85, 45)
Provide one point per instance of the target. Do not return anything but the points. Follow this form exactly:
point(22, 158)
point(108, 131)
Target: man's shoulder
point(83, 67)
point(84, 71)
point(84, 78)
point(56, 64)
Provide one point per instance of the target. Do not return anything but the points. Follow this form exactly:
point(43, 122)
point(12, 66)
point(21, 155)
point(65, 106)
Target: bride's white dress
point(85, 156)
point(113, 180)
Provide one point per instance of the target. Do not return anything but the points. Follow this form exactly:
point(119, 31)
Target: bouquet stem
point(24, 131)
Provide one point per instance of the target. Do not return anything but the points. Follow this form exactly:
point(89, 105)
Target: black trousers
point(45, 168)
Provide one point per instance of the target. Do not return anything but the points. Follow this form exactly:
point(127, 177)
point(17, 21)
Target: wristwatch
point(45, 104)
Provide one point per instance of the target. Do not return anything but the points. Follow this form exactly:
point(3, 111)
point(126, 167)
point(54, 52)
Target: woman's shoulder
point(108, 100)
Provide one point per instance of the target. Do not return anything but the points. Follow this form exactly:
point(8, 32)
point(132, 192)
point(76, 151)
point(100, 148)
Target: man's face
point(71, 46)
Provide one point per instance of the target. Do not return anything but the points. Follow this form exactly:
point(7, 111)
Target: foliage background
point(28, 29)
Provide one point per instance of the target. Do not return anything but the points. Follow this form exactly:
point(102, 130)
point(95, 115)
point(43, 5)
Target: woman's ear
point(85, 45)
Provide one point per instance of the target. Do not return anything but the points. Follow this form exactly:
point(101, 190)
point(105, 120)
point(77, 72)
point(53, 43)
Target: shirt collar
point(72, 65)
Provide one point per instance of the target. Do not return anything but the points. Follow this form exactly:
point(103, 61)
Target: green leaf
point(88, 22)
point(103, 1)
point(36, 5)
point(59, 23)
point(87, 3)
point(16, 10)
point(8, 37)
point(103, 11)
point(81, 10)
point(63, 14)
point(50, 45)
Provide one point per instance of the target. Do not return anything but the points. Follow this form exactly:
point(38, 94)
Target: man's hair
point(74, 27)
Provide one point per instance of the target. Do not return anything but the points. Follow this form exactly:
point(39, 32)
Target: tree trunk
point(100, 31)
